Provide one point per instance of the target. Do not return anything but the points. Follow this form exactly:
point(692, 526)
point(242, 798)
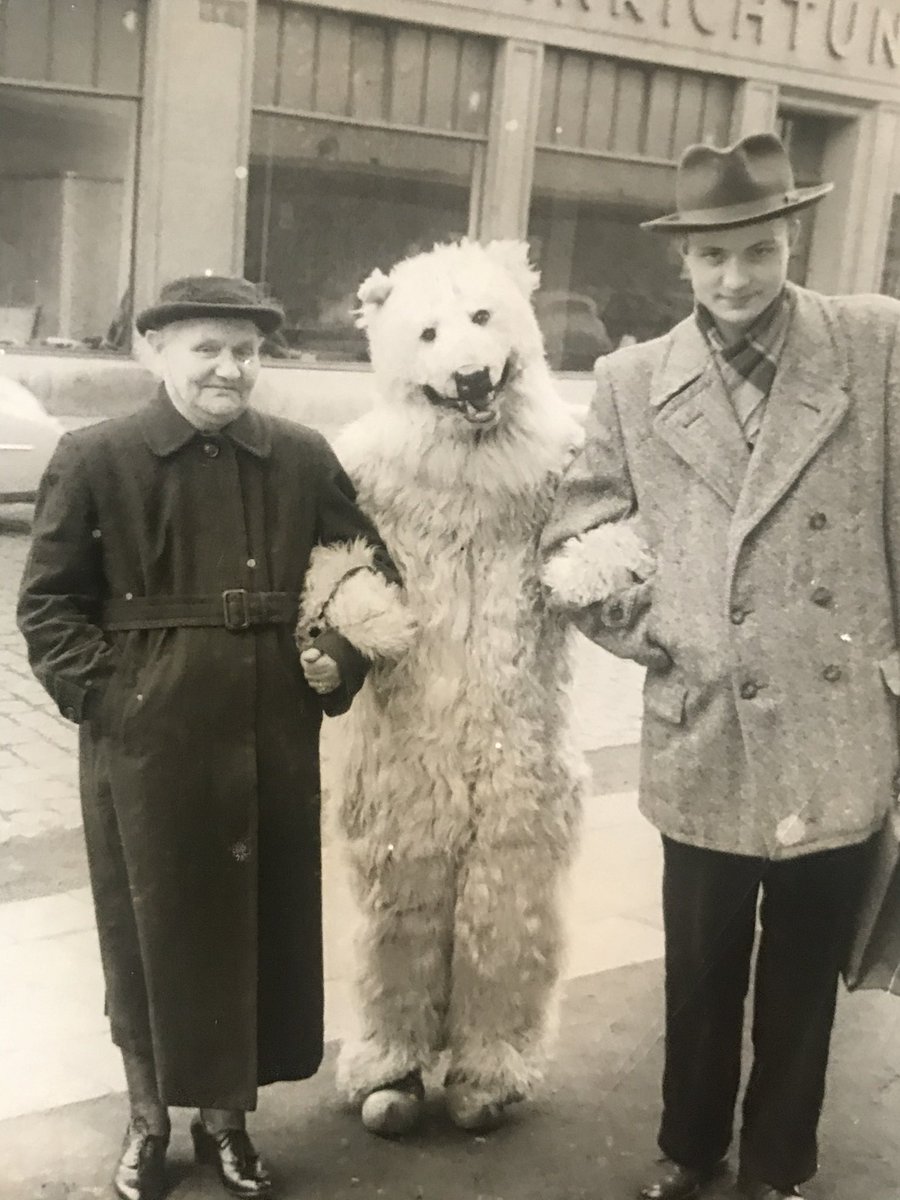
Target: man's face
point(209, 367)
point(737, 273)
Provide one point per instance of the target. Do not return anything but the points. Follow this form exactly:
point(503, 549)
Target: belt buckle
point(235, 609)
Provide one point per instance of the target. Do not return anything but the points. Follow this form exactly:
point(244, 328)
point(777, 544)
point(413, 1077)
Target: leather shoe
point(141, 1171)
point(675, 1182)
point(233, 1155)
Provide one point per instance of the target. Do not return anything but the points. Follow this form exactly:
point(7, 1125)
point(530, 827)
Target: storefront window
point(609, 136)
point(356, 165)
point(805, 136)
point(67, 171)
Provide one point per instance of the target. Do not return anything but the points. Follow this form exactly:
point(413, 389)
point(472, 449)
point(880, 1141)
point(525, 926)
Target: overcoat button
point(69, 714)
point(822, 596)
point(749, 690)
point(832, 673)
point(210, 449)
point(818, 521)
point(738, 616)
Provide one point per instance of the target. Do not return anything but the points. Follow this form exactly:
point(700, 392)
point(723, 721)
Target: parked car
point(28, 437)
point(574, 335)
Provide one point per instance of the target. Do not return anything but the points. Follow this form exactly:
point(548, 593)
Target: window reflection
point(66, 202)
point(605, 282)
point(327, 203)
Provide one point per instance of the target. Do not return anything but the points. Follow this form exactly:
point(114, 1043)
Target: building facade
point(304, 142)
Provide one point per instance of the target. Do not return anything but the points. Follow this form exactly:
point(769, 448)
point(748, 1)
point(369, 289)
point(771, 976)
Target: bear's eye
point(481, 317)
point(428, 334)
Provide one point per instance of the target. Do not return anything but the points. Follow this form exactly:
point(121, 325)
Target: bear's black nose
point(474, 387)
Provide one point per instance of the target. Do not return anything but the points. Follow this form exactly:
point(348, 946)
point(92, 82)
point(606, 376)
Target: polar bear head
point(452, 331)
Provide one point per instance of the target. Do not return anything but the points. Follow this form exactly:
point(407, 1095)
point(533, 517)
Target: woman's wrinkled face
point(209, 367)
point(737, 273)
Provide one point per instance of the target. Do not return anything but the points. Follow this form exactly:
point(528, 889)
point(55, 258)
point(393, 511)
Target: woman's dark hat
point(212, 296)
point(744, 183)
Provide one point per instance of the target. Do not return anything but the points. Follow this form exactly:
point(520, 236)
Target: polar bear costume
point(460, 783)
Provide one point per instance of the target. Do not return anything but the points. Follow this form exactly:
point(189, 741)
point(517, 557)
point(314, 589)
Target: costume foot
point(752, 1189)
point(675, 1182)
point(473, 1108)
point(234, 1156)
point(396, 1109)
point(140, 1172)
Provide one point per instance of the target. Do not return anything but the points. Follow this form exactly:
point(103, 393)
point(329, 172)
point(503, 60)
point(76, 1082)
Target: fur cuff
point(346, 593)
point(601, 564)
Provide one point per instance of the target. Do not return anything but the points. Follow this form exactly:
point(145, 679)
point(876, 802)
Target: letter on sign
point(842, 34)
point(886, 37)
point(224, 12)
point(630, 6)
point(700, 14)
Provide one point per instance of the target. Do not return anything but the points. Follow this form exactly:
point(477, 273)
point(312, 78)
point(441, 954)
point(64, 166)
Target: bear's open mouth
point(476, 395)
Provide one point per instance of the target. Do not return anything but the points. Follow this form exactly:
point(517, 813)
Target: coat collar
point(808, 400)
point(165, 430)
point(695, 415)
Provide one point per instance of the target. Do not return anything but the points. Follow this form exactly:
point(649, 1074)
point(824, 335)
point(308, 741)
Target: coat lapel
point(807, 402)
point(695, 415)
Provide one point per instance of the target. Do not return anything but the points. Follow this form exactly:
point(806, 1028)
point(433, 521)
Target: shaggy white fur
point(344, 592)
point(602, 563)
point(459, 778)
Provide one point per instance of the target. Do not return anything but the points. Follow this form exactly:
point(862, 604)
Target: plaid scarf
point(748, 365)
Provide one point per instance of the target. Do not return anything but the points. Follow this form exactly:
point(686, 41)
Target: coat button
point(738, 615)
point(832, 673)
point(70, 714)
point(749, 690)
point(210, 449)
point(822, 596)
point(818, 521)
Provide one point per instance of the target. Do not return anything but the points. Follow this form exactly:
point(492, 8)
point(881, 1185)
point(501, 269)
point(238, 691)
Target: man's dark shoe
point(233, 1155)
point(675, 1182)
point(141, 1170)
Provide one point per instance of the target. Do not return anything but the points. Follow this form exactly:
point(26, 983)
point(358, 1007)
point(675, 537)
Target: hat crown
point(212, 297)
point(211, 289)
point(755, 169)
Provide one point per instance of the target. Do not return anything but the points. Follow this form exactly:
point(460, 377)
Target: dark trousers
point(710, 909)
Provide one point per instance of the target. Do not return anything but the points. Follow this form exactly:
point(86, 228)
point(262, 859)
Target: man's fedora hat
point(744, 183)
point(211, 296)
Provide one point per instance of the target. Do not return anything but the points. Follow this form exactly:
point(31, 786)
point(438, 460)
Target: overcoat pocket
point(666, 698)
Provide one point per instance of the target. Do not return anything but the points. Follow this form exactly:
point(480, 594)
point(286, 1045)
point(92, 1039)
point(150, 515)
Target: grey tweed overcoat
point(774, 730)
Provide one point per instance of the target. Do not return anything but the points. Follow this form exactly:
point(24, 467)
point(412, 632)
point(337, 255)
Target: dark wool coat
point(199, 744)
point(774, 730)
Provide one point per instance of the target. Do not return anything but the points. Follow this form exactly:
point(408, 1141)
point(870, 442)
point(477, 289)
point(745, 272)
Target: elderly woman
point(158, 603)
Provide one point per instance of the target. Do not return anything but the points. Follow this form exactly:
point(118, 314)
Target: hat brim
point(735, 215)
point(267, 318)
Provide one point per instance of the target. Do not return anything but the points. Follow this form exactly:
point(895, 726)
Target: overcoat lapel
point(808, 400)
point(695, 416)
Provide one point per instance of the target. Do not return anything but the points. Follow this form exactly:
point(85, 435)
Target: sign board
point(224, 12)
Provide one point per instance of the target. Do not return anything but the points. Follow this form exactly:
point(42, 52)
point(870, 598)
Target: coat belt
point(233, 609)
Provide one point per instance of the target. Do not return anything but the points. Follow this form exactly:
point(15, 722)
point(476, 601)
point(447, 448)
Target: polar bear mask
point(451, 331)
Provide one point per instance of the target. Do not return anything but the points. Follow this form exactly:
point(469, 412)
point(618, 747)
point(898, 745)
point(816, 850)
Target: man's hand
point(322, 673)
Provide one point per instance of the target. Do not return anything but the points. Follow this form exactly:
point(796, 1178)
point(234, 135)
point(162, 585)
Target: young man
point(159, 602)
point(756, 448)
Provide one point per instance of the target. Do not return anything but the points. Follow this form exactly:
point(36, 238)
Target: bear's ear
point(513, 256)
point(371, 295)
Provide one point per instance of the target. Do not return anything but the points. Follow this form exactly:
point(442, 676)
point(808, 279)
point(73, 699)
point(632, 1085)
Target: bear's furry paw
point(344, 592)
point(598, 565)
